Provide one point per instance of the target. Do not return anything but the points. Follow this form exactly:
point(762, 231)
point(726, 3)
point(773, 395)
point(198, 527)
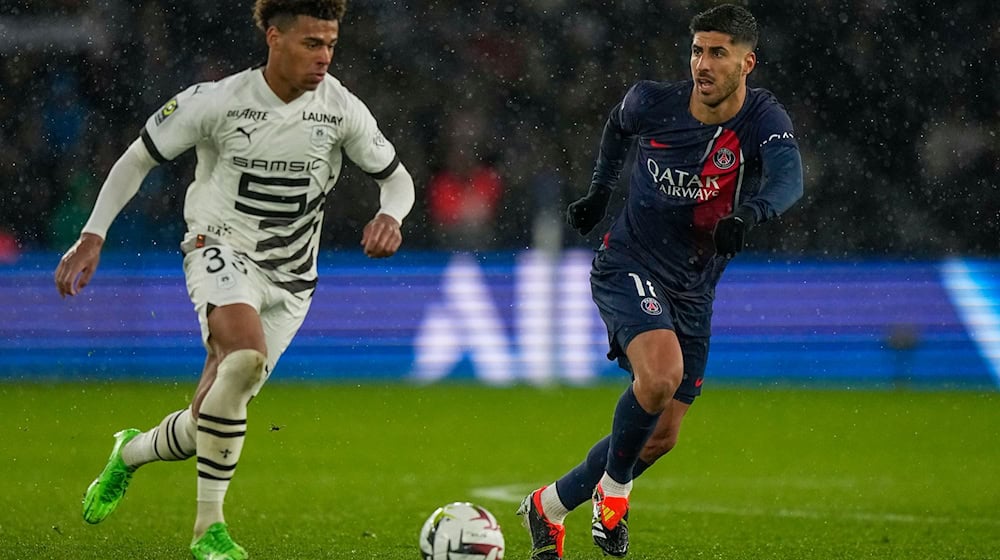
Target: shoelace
point(554, 530)
point(221, 541)
point(116, 483)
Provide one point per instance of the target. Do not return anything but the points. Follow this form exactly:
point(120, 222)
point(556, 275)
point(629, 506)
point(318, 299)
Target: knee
point(660, 382)
point(242, 367)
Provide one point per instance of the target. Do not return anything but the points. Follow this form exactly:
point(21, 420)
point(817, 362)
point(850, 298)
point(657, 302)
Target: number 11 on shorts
point(638, 285)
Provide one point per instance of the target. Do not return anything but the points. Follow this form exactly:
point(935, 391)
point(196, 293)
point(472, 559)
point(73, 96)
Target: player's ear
point(272, 36)
point(749, 62)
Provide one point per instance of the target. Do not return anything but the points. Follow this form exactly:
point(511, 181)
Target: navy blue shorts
point(631, 303)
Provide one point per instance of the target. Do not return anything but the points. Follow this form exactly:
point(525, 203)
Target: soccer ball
point(461, 531)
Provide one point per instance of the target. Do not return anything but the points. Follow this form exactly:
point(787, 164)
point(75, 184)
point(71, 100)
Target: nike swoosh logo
point(658, 145)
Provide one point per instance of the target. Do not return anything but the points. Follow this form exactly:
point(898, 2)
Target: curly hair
point(732, 20)
point(280, 12)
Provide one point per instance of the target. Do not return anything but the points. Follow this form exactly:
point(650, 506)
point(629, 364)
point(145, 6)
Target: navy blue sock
point(577, 486)
point(639, 468)
point(631, 428)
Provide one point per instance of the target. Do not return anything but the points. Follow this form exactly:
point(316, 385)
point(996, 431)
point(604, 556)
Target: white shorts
point(217, 275)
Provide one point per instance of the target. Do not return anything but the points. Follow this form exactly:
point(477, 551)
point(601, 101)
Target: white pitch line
point(514, 493)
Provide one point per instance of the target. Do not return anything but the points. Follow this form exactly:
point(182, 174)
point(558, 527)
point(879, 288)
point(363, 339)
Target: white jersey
point(265, 167)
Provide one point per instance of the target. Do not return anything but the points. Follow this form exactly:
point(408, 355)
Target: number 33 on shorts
point(219, 265)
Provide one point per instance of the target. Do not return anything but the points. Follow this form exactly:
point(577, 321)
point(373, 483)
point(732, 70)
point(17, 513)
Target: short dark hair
point(735, 21)
point(271, 12)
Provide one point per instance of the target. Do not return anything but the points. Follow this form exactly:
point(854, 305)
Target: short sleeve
point(180, 124)
point(365, 144)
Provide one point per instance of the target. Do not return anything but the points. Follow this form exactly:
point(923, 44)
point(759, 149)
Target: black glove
point(731, 231)
point(587, 212)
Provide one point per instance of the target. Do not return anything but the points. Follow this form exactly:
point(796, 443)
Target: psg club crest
point(724, 158)
point(651, 306)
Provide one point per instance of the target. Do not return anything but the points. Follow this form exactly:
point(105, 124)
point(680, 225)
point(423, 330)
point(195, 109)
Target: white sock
point(172, 440)
point(552, 506)
point(612, 487)
point(208, 513)
point(222, 424)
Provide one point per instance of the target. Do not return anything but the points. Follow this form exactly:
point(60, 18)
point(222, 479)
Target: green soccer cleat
point(109, 487)
point(216, 544)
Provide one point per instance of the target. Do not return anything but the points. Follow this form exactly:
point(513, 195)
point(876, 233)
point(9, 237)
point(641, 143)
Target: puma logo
point(246, 133)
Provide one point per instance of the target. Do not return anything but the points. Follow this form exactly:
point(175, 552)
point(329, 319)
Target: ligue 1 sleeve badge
point(166, 111)
point(651, 306)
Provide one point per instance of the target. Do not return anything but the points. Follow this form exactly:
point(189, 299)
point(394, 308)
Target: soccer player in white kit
point(269, 143)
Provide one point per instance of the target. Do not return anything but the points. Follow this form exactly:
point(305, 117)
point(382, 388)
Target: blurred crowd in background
point(496, 108)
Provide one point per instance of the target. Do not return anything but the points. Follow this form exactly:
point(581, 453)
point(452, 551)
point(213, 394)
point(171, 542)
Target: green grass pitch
point(351, 471)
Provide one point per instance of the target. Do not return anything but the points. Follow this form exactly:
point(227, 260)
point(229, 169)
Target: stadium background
point(886, 271)
point(850, 407)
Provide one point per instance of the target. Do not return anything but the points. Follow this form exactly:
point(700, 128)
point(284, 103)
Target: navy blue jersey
point(687, 175)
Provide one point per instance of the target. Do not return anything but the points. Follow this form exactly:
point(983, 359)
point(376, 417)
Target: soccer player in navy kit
point(713, 159)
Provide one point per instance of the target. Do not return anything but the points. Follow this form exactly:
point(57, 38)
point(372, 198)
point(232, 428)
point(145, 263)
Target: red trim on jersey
point(724, 163)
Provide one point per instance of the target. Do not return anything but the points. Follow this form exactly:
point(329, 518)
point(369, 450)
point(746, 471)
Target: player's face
point(719, 67)
point(301, 54)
